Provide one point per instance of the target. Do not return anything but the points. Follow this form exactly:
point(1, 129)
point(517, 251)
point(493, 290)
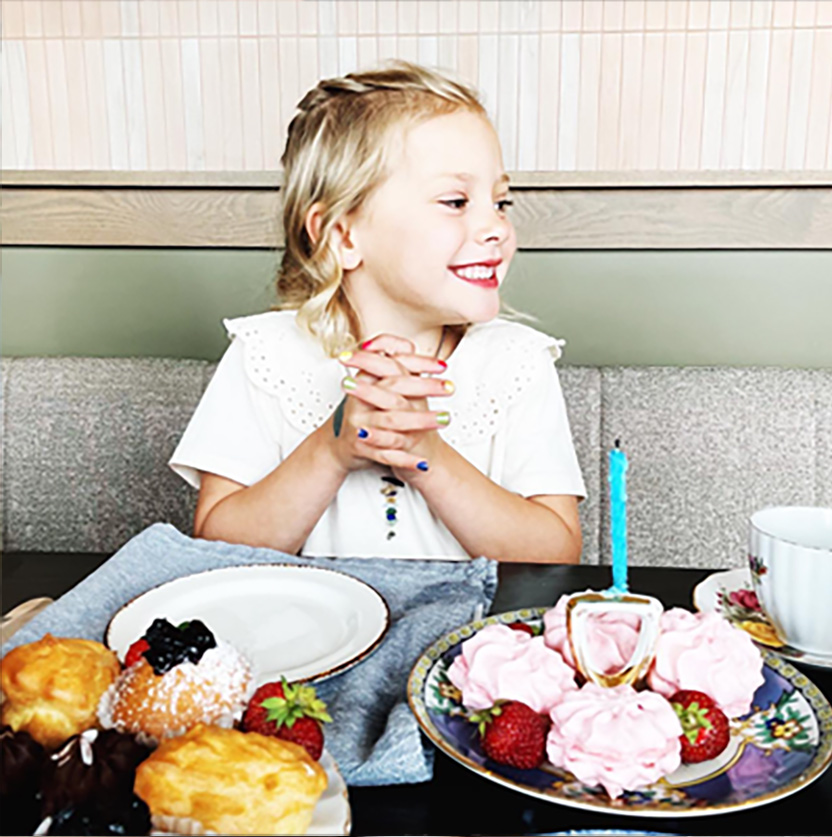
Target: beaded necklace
point(391, 485)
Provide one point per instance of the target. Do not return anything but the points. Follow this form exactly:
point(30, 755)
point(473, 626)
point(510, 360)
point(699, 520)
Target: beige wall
point(734, 308)
point(584, 85)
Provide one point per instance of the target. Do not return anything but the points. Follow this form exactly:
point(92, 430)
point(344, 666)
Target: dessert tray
point(305, 623)
point(781, 746)
point(731, 594)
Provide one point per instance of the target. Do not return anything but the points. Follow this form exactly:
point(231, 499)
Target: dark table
point(460, 802)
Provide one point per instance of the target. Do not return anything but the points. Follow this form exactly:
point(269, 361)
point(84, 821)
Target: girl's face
point(433, 243)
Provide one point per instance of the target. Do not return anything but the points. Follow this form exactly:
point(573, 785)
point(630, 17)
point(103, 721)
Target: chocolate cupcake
point(100, 816)
point(88, 786)
point(22, 761)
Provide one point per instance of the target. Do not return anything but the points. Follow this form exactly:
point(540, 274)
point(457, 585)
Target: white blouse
point(275, 385)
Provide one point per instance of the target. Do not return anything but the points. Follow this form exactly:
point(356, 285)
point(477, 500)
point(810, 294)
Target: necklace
point(392, 485)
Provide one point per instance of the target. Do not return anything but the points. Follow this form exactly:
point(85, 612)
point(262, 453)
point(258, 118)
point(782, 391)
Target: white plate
point(303, 623)
point(332, 814)
point(713, 594)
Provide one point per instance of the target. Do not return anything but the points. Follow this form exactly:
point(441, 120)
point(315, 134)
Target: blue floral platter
point(781, 746)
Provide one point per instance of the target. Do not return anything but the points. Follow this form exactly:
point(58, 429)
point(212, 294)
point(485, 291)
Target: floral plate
point(781, 746)
point(731, 594)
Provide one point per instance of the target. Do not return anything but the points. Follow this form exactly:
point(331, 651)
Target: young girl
point(385, 410)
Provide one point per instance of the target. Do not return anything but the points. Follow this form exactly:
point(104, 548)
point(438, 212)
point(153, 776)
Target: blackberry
point(170, 645)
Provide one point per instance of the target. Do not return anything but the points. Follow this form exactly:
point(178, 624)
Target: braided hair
point(336, 154)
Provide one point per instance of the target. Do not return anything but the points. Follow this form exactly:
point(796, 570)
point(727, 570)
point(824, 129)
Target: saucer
point(731, 594)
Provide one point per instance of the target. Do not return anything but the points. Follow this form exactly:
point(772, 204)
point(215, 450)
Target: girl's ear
point(342, 241)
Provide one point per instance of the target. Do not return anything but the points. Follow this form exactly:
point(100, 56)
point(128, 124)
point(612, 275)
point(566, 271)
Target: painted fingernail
point(366, 343)
point(443, 418)
point(448, 386)
point(349, 383)
point(422, 466)
point(442, 363)
point(362, 433)
point(345, 355)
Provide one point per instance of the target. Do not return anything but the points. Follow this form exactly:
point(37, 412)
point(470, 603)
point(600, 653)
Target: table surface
point(460, 802)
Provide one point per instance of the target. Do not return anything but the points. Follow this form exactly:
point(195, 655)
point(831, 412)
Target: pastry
point(53, 686)
point(87, 786)
point(500, 663)
point(615, 737)
point(183, 677)
point(21, 763)
point(230, 782)
point(704, 652)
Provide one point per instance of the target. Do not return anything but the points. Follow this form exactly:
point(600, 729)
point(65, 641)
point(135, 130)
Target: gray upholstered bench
point(86, 440)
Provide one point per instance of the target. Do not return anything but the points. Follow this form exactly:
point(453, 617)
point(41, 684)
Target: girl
point(385, 410)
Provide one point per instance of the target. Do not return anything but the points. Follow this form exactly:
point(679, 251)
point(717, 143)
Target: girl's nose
point(495, 228)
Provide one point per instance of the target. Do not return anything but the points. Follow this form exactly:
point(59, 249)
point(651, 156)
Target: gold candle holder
point(581, 607)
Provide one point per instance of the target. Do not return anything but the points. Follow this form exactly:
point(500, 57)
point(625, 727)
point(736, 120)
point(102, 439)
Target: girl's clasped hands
point(386, 418)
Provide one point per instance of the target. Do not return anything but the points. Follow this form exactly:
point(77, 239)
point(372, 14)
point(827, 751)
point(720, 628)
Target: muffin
point(53, 686)
point(184, 676)
point(224, 781)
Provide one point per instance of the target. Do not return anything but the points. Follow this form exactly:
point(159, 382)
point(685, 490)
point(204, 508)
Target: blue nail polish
point(362, 433)
point(422, 466)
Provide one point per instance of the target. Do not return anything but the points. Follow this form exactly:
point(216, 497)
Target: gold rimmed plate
point(778, 748)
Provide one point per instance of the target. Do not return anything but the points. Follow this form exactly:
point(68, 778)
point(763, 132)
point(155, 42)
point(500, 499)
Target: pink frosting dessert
point(615, 737)
point(612, 637)
point(499, 663)
point(703, 651)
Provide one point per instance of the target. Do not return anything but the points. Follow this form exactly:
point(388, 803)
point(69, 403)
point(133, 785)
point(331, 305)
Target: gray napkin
point(374, 737)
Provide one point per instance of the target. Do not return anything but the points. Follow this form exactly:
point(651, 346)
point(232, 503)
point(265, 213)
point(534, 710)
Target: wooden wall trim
point(553, 210)
point(526, 179)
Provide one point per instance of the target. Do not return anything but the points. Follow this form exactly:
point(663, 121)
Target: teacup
point(790, 555)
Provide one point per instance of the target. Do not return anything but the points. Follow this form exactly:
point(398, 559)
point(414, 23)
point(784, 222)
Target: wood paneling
point(551, 211)
point(572, 85)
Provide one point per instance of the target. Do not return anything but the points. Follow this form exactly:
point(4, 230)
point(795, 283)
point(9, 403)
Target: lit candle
point(618, 517)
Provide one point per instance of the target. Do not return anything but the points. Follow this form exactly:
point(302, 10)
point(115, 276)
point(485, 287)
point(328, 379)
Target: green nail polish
point(349, 383)
point(443, 418)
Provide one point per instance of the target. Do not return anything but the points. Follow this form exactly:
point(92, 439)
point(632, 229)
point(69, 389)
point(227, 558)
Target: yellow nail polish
point(345, 355)
point(349, 383)
point(443, 418)
point(448, 386)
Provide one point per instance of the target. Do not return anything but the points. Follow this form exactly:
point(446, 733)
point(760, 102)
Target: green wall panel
point(678, 308)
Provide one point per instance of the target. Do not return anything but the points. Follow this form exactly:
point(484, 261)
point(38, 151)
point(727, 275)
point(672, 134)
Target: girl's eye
point(456, 203)
point(504, 204)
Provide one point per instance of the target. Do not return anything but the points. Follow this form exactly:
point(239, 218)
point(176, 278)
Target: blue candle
point(618, 517)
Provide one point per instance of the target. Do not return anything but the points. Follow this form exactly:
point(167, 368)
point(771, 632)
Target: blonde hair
point(336, 154)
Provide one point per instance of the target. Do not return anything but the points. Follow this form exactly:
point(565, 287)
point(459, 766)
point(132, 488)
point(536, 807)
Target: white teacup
point(790, 556)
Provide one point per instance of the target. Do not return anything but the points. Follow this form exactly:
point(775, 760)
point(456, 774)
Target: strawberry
point(706, 729)
point(522, 626)
point(135, 652)
point(513, 733)
point(291, 712)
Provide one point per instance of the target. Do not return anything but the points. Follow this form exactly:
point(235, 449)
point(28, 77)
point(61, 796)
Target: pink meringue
point(612, 637)
point(703, 651)
point(615, 737)
point(499, 663)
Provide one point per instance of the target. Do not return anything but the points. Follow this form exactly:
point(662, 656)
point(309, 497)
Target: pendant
point(390, 490)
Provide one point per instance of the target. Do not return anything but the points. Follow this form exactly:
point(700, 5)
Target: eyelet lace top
point(492, 367)
point(275, 386)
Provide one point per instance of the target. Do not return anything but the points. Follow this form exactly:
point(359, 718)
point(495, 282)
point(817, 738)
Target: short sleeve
point(226, 435)
point(540, 456)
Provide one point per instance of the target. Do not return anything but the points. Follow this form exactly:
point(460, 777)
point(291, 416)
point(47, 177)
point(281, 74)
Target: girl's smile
point(483, 274)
